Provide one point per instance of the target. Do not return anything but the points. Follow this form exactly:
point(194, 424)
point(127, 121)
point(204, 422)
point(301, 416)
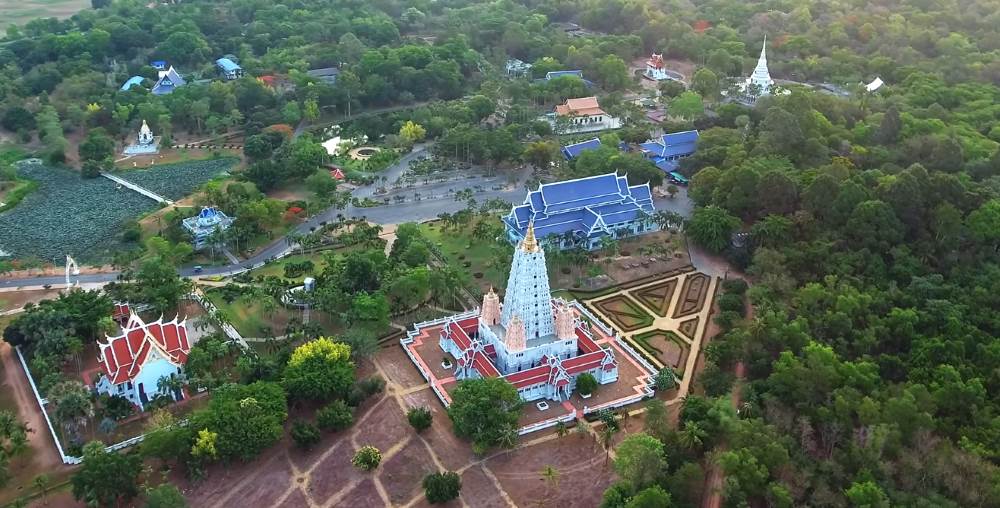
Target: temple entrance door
point(143, 399)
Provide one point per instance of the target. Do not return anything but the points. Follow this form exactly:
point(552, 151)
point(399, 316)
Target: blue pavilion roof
point(227, 65)
point(133, 81)
point(676, 144)
point(585, 206)
point(573, 151)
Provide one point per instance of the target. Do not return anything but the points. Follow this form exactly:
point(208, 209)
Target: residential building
point(668, 149)
point(532, 340)
point(517, 69)
point(583, 115)
point(573, 151)
point(205, 224)
point(168, 80)
point(582, 212)
point(133, 363)
point(229, 69)
point(326, 75)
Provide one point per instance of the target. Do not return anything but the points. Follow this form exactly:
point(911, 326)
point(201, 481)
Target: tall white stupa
point(528, 296)
point(760, 76)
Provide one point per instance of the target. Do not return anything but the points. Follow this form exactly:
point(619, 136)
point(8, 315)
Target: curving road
point(393, 213)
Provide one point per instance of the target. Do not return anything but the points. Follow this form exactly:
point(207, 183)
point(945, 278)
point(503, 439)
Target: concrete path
point(141, 190)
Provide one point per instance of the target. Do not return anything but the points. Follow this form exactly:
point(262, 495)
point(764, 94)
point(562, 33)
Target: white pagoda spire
point(761, 77)
point(528, 295)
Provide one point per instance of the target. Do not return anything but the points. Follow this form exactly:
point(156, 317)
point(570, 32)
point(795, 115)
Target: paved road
point(388, 214)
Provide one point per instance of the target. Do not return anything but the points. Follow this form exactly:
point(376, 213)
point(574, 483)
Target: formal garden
point(669, 349)
point(624, 313)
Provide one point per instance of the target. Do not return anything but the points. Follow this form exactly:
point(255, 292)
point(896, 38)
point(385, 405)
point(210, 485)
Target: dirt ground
point(324, 476)
point(10, 300)
point(41, 455)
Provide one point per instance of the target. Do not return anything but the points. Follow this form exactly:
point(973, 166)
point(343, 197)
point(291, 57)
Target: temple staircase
point(145, 192)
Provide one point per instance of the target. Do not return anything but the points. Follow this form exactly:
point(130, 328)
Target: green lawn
point(277, 268)
point(20, 12)
point(460, 248)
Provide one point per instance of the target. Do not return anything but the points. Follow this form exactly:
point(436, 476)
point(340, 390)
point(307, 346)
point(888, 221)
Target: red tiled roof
point(585, 343)
point(122, 357)
point(484, 366)
point(121, 311)
point(583, 362)
point(530, 377)
point(458, 335)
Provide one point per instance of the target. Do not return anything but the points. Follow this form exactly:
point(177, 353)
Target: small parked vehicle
point(198, 269)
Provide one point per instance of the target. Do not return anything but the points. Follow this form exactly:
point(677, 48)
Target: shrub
point(420, 418)
point(335, 416)
point(367, 458)
point(586, 383)
point(665, 379)
point(305, 434)
point(734, 286)
point(363, 389)
point(731, 303)
point(442, 487)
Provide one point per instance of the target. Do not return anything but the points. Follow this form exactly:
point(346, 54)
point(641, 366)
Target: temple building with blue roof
point(205, 224)
point(229, 69)
point(667, 150)
point(168, 81)
point(573, 151)
point(579, 213)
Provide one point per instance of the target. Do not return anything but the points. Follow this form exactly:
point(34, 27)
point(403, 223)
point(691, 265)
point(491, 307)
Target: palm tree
point(42, 482)
point(608, 439)
point(561, 429)
point(692, 436)
point(551, 477)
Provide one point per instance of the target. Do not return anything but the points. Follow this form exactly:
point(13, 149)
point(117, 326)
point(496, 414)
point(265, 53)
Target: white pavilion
point(145, 142)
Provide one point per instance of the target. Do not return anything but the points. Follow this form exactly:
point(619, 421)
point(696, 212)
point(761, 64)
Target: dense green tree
point(442, 487)
point(319, 370)
point(485, 411)
point(106, 478)
point(165, 495)
point(246, 419)
point(640, 460)
point(712, 227)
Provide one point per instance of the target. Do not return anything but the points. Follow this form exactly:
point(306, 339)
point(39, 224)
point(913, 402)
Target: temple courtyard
point(324, 476)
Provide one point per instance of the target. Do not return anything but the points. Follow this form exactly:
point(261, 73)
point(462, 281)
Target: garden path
point(667, 323)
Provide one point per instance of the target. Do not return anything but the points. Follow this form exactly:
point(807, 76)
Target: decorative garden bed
point(626, 314)
point(666, 348)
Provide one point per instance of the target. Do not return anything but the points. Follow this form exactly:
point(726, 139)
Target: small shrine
point(145, 142)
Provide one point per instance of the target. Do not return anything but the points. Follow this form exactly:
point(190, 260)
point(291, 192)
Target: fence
point(544, 424)
point(227, 328)
point(67, 459)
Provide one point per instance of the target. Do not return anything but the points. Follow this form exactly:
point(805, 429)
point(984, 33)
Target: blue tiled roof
point(133, 81)
point(574, 150)
point(585, 205)
point(675, 138)
point(583, 188)
point(160, 65)
point(559, 74)
point(227, 65)
point(168, 82)
point(664, 164)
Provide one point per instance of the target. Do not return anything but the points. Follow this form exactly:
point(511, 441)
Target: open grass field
point(20, 12)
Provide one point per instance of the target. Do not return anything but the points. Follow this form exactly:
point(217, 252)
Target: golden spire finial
point(530, 244)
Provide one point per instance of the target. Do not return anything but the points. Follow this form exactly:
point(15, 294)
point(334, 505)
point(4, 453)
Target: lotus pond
point(174, 181)
point(68, 214)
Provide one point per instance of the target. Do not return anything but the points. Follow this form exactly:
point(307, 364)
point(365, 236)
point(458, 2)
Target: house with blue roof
point(573, 151)
point(229, 69)
point(667, 150)
point(168, 80)
point(133, 81)
point(549, 76)
point(581, 212)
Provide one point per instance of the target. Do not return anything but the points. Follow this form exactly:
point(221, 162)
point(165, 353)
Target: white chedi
point(145, 134)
